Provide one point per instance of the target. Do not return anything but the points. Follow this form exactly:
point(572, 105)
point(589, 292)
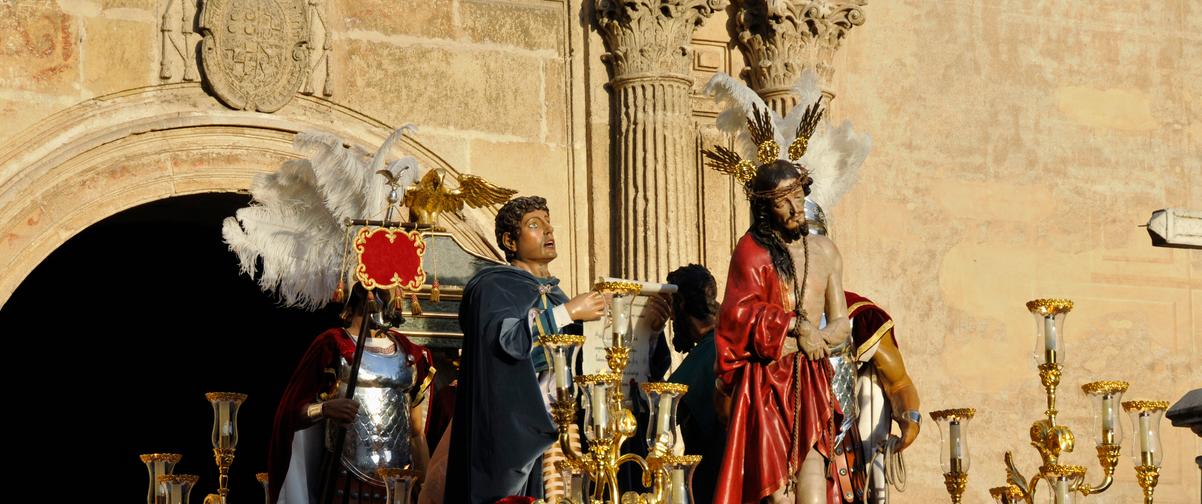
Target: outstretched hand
point(658, 311)
point(586, 307)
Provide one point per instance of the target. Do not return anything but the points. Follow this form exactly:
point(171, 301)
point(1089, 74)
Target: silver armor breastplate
point(379, 436)
point(843, 384)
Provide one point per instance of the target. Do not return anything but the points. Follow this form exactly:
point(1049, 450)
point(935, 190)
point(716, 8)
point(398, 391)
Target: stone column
point(781, 38)
point(653, 153)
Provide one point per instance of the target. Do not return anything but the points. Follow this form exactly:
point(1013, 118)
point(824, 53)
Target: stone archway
point(114, 152)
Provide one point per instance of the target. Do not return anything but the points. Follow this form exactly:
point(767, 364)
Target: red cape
point(314, 376)
point(752, 326)
point(870, 323)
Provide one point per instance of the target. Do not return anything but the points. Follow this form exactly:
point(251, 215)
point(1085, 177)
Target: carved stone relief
point(179, 41)
point(781, 38)
point(651, 36)
point(255, 52)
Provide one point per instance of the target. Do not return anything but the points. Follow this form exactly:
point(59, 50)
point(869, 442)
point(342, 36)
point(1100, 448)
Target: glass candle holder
point(621, 301)
point(1146, 449)
point(158, 464)
point(598, 390)
point(575, 477)
point(1107, 397)
point(1063, 481)
point(561, 350)
point(177, 488)
point(662, 398)
point(398, 484)
point(225, 418)
point(953, 430)
point(1049, 329)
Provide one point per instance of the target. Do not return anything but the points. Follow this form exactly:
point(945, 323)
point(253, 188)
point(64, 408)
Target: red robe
point(752, 327)
point(314, 377)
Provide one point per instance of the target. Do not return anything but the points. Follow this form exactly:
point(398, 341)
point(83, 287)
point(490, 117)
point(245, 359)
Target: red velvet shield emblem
point(390, 258)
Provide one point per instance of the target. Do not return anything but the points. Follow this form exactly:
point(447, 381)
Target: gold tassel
point(435, 293)
point(398, 299)
point(414, 305)
point(340, 292)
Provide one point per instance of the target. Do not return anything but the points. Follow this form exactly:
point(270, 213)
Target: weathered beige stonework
point(1017, 147)
point(782, 38)
point(654, 186)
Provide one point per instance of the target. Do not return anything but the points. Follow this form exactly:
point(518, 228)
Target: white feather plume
point(835, 154)
point(295, 223)
point(809, 90)
point(834, 159)
point(739, 103)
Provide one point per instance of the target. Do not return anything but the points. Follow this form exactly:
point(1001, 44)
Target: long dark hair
point(769, 177)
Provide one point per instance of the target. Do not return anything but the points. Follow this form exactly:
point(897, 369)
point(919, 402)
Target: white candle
point(956, 440)
point(1145, 438)
point(599, 407)
point(679, 492)
point(224, 429)
point(663, 418)
point(561, 370)
point(1109, 414)
point(1062, 492)
point(621, 324)
point(1049, 339)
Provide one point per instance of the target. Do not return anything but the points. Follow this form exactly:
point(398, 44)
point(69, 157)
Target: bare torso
point(816, 274)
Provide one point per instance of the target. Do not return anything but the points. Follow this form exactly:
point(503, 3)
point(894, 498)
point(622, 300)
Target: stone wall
point(1017, 147)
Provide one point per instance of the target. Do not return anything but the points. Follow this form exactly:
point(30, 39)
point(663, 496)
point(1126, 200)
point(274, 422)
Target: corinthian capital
point(651, 37)
point(781, 38)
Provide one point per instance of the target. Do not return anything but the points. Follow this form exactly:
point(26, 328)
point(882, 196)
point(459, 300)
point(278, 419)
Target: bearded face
point(788, 212)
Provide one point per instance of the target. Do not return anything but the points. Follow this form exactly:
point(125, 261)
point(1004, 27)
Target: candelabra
point(608, 422)
point(1052, 440)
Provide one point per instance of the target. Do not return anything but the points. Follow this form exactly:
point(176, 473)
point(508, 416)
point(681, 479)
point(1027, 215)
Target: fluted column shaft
point(654, 161)
point(656, 184)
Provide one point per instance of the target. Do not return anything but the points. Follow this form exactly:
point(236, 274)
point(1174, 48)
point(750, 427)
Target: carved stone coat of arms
point(255, 53)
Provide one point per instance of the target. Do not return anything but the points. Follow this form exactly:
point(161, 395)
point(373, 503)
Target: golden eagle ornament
point(431, 196)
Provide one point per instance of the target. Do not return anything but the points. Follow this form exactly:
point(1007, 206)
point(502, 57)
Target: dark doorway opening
point(118, 334)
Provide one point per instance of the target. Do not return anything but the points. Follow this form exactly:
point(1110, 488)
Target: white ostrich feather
point(835, 154)
point(834, 159)
point(295, 225)
point(739, 104)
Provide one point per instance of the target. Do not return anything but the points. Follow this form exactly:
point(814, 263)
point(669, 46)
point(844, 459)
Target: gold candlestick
point(263, 481)
point(1146, 449)
point(224, 436)
point(1148, 476)
point(956, 483)
point(954, 454)
point(1008, 494)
